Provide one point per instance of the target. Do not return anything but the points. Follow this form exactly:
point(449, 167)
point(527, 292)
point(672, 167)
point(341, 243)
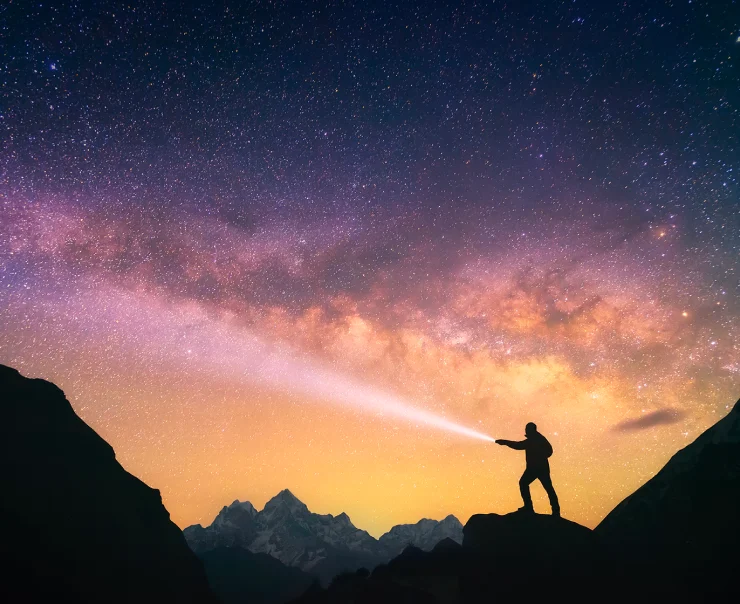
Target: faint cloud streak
point(661, 417)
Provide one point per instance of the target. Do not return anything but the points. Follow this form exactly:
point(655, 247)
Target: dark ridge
point(77, 526)
point(238, 576)
point(683, 526)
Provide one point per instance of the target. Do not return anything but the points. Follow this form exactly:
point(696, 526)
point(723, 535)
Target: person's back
point(538, 450)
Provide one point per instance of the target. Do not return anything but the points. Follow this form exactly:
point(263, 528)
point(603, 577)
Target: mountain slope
point(77, 526)
point(237, 576)
point(684, 521)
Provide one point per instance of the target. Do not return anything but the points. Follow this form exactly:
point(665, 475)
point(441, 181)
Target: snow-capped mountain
point(319, 543)
point(291, 533)
point(287, 530)
point(234, 525)
point(425, 534)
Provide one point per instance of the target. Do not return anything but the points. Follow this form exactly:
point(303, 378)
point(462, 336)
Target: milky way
point(217, 221)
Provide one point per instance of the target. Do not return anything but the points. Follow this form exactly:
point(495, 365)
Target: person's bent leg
point(527, 478)
point(551, 494)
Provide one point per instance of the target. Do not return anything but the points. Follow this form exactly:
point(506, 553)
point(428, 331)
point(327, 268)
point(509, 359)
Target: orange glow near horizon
point(618, 375)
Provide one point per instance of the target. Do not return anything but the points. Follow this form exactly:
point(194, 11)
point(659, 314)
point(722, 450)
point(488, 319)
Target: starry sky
point(223, 226)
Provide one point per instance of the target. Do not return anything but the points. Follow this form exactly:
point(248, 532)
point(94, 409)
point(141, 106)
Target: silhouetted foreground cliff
point(680, 531)
point(76, 526)
point(531, 553)
point(239, 576)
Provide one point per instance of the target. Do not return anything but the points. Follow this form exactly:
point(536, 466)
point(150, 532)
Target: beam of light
point(310, 378)
point(191, 338)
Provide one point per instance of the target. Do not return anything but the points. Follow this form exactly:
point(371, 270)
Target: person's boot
point(526, 509)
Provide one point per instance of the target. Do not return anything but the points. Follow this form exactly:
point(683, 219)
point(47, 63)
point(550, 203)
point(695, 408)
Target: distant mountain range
point(320, 544)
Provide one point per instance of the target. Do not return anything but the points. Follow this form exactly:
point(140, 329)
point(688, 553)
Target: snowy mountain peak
point(237, 515)
point(285, 499)
point(243, 505)
point(343, 519)
point(425, 534)
point(286, 495)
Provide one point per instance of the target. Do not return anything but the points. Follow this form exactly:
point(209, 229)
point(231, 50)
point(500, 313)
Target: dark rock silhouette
point(77, 526)
point(680, 532)
point(413, 560)
point(238, 576)
point(525, 553)
point(361, 587)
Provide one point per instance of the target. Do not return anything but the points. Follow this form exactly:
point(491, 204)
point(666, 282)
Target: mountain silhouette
point(547, 555)
point(684, 523)
point(77, 526)
point(238, 576)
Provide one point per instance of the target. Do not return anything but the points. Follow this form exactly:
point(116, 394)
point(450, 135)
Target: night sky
point(233, 233)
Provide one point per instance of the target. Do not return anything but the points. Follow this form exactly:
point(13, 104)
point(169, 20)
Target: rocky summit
point(321, 544)
point(508, 555)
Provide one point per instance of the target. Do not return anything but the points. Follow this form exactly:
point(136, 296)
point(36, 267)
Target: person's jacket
point(537, 449)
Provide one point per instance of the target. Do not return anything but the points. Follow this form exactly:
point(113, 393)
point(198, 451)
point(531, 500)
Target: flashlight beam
point(230, 350)
point(308, 378)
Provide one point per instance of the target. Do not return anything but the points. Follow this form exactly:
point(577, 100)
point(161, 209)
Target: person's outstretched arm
point(513, 444)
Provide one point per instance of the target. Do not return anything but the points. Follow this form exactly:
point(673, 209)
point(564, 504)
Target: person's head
point(530, 429)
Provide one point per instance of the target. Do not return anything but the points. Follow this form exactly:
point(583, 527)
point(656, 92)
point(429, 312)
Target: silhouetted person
point(538, 449)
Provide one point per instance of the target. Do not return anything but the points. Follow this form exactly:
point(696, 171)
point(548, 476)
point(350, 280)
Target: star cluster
point(500, 213)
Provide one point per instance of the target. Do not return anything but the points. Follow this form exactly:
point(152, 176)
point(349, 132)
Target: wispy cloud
point(661, 417)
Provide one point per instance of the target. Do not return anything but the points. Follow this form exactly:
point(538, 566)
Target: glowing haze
point(341, 253)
